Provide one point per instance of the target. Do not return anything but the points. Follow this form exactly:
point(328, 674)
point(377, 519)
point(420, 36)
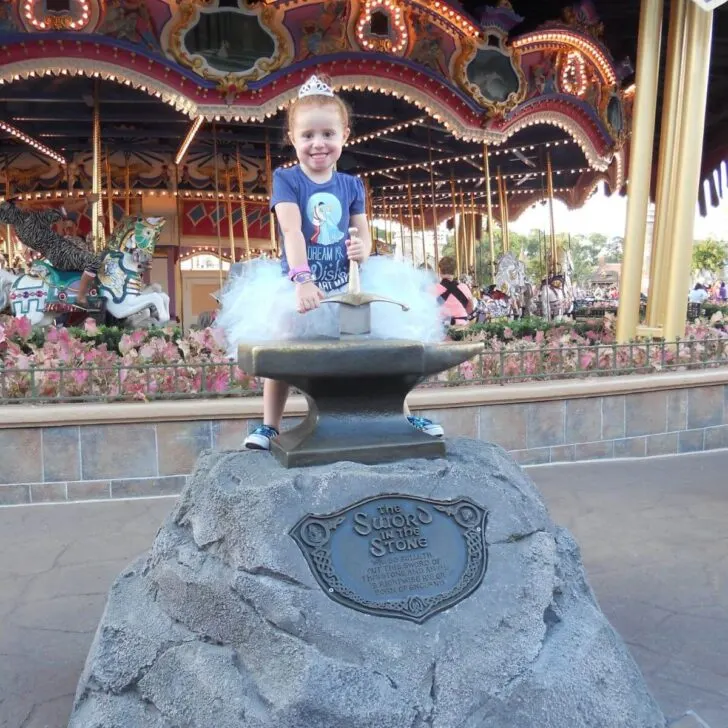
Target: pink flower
point(90, 327)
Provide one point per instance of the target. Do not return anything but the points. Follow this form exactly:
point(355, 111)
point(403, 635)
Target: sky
point(607, 215)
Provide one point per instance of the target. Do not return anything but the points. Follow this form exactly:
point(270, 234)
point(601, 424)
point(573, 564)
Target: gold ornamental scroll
point(243, 206)
point(489, 208)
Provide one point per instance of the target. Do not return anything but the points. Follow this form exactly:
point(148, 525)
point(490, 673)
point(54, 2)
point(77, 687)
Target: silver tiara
point(315, 87)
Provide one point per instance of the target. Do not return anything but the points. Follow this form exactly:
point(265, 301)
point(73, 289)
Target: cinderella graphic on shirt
point(324, 212)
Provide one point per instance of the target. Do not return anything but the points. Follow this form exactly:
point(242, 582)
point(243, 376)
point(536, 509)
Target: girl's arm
point(289, 218)
point(308, 295)
point(360, 246)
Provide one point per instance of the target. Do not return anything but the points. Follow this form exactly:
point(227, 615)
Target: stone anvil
point(356, 388)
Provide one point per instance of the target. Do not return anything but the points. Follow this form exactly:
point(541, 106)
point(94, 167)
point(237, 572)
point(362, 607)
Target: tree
point(709, 256)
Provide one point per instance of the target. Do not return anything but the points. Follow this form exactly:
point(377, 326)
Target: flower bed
point(103, 363)
point(107, 364)
point(531, 350)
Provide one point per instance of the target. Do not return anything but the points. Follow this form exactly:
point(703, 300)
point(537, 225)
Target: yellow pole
point(699, 31)
point(432, 195)
point(412, 218)
point(229, 202)
point(486, 172)
point(666, 167)
point(401, 228)
point(423, 227)
point(127, 186)
point(179, 288)
point(8, 231)
point(463, 237)
point(96, 206)
point(243, 207)
point(473, 241)
point(640, 166)
point(455, 223)
point(109, 192)
point(217, 201)
point(269, 184)
point(552, 226)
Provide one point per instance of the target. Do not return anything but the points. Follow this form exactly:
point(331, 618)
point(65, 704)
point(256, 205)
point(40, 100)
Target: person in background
point(698, 294)
point(722, 292)
point(457, 298)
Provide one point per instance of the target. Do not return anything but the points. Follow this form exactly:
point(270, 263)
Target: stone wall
point(80, 452)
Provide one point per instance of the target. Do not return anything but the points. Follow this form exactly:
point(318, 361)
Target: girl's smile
point(318, 135)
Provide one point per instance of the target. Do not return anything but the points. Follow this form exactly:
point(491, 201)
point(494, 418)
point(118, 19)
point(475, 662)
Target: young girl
point(316, 207)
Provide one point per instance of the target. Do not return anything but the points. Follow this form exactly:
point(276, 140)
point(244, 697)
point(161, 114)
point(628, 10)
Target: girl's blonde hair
point(319, 100)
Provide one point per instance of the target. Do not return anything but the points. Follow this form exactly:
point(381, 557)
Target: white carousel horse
point(511, 279)
point(45, 292)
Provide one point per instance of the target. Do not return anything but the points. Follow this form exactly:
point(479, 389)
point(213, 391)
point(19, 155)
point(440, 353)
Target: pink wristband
point(293, 272)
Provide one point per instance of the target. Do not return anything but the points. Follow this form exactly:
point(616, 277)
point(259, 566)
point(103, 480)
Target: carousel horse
point(511, 279)
point(45, 293)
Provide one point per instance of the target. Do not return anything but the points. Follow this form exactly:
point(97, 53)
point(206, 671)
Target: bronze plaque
point(397, 555)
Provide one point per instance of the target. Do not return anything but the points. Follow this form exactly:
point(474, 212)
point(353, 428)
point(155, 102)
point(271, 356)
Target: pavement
point(653, 532)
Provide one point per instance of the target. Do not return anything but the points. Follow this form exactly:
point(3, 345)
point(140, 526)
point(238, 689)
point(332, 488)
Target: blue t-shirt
point(326, 210)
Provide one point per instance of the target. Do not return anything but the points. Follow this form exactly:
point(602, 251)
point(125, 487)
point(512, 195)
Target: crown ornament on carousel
point(315, 87)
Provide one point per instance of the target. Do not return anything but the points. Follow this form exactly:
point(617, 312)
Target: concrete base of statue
point(416, 594)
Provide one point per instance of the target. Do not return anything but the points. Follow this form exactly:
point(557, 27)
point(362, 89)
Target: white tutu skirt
point(260, 305)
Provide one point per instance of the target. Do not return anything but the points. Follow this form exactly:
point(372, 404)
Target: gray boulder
point(223, 625)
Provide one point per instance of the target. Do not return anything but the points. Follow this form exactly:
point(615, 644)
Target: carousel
point(174, 112)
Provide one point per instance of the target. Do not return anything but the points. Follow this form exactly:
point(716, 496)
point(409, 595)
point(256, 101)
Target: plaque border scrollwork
point(467, 515)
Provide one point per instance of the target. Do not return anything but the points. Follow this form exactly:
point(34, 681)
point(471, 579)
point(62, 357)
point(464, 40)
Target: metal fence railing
point(499, 364)
point(124, 383)
point(526, 362)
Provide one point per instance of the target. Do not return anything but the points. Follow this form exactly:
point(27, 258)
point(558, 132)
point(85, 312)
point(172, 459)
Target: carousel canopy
point(540, 85)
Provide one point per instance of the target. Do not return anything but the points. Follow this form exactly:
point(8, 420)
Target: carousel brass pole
point(503, 210)
point(269, 185)
point(217, 200)
point(179, 288)
point(109, 192)
point(453, 194)
point(412, 219)
point(432, 195)
point(243, 206)
point(422, 226)
point(699, 32)
point(127, 185)
point(640, 166)
point(552, 226)
point(8, 231)
point(506, 215)
point(464, 234)
point(401, 228)
point(96, 205)
point(486, 173)
point(473, 232)
point(229, 204)
point(666, 166)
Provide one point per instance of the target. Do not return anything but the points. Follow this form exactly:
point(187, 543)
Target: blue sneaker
point(260, 437)
point(427, 426)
